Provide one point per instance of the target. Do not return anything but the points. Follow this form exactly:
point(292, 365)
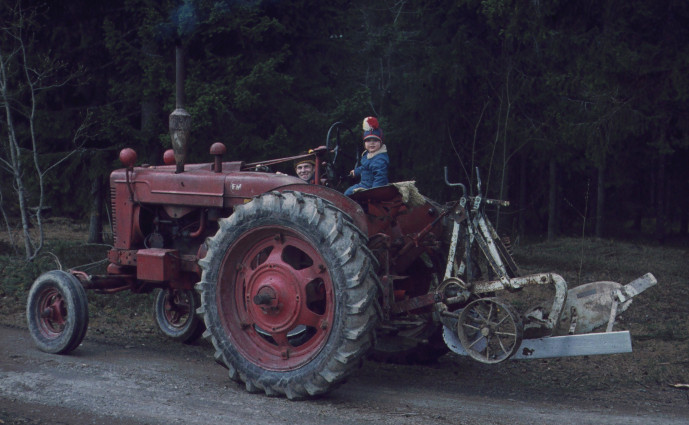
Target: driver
point(305, 169)
point(374, 160)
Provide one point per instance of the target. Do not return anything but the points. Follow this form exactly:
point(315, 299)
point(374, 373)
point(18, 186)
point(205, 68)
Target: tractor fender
point(338, 199)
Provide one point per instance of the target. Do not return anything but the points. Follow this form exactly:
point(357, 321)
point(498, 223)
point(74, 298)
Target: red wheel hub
point(275, 296)
point(52, 312)
point(177, 308)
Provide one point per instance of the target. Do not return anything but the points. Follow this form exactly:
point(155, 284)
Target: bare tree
point(23, 75)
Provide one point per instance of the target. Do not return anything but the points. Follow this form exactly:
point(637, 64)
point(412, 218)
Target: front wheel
point(57, 312)
point(288, 295)
point(175, 314)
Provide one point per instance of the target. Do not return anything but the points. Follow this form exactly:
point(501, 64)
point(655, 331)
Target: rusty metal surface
point(415, 303)
point(157, 264)
point(535, 279)
point(162, 185)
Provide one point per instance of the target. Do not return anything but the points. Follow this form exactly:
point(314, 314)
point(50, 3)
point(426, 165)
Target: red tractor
point(295, 283)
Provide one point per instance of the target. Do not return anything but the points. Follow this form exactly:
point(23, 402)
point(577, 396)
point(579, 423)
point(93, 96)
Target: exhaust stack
point(180, 120)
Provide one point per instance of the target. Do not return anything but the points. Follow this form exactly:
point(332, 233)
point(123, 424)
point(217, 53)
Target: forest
point(574, 111)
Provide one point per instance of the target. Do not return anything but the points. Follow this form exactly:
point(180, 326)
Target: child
point(374, 160)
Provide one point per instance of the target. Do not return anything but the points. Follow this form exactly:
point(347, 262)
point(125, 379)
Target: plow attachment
point(489, 331)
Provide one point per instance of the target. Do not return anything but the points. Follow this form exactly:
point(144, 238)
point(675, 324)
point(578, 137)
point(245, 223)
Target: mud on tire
point(288, 295)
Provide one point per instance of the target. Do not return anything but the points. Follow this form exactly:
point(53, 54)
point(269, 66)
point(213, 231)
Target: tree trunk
point(150, 109)
point(660, 200)
point(15, 162)
point(600, 200)
point(552, 200)
point(148, 126)
point(522, 195)
point(684, 217)
point(96, 220)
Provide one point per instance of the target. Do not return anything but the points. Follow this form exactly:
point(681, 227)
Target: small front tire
point(175, 314)
point(57, 312)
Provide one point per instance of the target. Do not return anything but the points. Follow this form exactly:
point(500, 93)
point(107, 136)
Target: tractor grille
point(113, 216)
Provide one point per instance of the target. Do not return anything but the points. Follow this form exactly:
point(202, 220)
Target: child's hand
point(351, 173)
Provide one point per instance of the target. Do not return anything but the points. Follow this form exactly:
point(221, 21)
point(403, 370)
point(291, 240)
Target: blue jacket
point(373, 171)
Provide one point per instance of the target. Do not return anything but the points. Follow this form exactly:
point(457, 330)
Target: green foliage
point(18, 275)
point(506, 86)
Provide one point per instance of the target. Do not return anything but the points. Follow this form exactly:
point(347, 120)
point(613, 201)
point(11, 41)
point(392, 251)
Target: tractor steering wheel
point(333, 143)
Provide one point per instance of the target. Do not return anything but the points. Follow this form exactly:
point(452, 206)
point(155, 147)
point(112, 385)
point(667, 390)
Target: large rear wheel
point(288, 295)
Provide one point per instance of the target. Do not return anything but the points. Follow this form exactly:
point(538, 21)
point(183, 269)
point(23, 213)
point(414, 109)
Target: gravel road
point(125, 382)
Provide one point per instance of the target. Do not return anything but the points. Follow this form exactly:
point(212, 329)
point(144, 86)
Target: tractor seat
point(406, 191)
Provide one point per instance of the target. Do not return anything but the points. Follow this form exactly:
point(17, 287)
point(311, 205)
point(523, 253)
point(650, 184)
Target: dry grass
point(55, 228)
point(658, 319)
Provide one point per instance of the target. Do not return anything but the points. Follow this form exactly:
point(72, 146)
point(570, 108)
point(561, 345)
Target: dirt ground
point(125, 372)
point(120, 380)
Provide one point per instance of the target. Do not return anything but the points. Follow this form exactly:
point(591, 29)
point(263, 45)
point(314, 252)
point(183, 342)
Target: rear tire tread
point(334, 228)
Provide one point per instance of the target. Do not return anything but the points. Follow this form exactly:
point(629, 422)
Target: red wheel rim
point(52, 313)
point(275, 297)
point(177, 308)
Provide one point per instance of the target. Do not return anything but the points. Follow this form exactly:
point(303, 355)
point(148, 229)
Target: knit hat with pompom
point(371, 129)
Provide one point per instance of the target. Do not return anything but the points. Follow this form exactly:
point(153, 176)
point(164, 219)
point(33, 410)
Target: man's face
point(372, 145)
point(305, 170)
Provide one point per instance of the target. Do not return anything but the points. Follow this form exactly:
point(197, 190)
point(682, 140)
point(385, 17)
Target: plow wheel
point(288, 295)
point(57, 312)
point(175, 314)
point(489, 330)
